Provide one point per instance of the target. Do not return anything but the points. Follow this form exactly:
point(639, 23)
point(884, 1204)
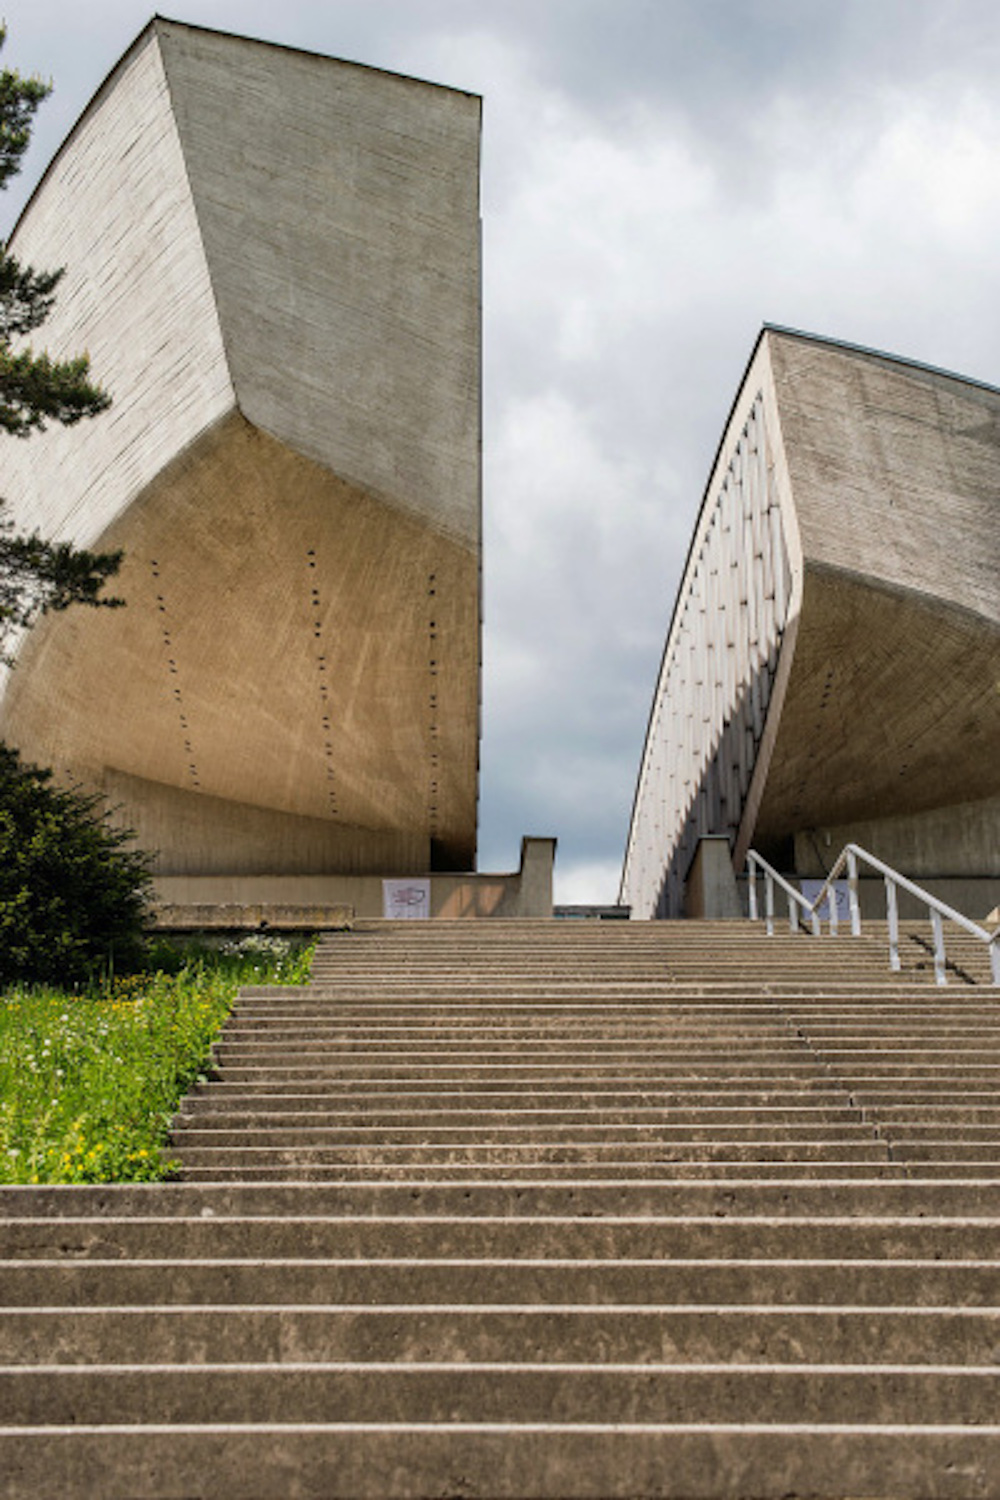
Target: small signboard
point(812, 888)
point(406, 900)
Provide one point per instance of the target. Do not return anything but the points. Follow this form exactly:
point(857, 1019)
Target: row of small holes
point(324, 690)
point(432, 817)
point(168, 646)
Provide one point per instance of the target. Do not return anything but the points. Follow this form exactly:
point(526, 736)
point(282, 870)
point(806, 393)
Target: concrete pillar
point(710, 888)
point(538, 857)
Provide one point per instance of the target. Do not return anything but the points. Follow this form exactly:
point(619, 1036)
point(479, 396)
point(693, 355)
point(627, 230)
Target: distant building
point(832, 670)
point(273, 261)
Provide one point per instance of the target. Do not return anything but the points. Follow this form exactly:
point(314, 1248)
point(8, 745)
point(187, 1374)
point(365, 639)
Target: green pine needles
point(19, 98)
point(37, 574)
point(33, 388)
point(73, 893)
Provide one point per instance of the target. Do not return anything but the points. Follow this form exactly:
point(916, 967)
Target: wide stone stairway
point(540, 1209)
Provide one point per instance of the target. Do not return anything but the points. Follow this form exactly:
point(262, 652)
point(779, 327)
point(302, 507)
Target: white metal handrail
point(804, 912)
point(795, 898)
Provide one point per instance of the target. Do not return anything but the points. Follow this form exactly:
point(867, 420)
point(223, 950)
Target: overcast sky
point(659, 178)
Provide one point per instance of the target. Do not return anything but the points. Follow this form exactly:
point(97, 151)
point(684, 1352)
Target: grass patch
point(90, 1081)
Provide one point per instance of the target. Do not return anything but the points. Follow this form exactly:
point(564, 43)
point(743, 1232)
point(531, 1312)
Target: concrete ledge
point(241, 903)
point(207, 917)
point(328, 1460)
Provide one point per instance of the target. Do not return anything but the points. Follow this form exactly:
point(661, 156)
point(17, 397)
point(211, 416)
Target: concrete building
point(831, 670)
point(273, 259)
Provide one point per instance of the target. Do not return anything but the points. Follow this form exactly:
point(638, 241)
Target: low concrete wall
point(235, 902)
point(582, 912)
point(974, 898)
point(957, 842)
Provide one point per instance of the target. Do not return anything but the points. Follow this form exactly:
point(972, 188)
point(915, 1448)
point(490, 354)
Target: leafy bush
point(72, 893)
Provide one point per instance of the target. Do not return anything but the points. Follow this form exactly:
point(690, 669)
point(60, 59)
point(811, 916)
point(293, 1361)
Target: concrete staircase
point(540, 1209)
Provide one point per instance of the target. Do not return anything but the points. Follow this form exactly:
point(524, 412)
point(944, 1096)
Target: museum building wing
point(831, 665)
point(273, 260)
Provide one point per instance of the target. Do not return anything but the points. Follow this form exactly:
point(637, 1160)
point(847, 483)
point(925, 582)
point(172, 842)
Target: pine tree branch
point(26, 296)
point(19, 98)
point(34, 388)
point(37, 576)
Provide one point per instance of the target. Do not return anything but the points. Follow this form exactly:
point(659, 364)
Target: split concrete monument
point(832, 670)
point(273, 259)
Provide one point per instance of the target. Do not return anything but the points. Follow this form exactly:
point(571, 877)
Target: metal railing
point(805, 913)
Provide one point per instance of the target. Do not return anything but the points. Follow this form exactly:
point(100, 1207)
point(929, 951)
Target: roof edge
point(241, 36)
point(157, 21)
point(88, 108)
point(883, 354)
point(765, 328)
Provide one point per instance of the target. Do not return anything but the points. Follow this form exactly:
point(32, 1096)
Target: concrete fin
point(345, 265)
point(115, 209)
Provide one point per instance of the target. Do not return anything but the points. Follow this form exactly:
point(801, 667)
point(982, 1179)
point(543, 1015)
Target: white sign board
point(812, 888)
point(406, 899)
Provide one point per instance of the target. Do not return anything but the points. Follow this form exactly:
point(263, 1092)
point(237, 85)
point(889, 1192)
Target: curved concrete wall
point(892, 708)
point(878, 688)
point(273, 259)
point(721, 662)
point(115, 209)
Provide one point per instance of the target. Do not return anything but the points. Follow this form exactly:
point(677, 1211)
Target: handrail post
point(852, 887)
point(892, 912)
point(937, 927)
point(850, 856)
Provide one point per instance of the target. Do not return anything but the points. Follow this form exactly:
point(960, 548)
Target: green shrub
point(72, 893)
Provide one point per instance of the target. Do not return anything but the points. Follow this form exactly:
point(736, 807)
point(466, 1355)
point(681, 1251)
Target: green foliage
point(35, 388)
point(35, 574)
point(258, 958)
point(26, 297)
point(72, 894)
point(19, 98)
point(89, 1083)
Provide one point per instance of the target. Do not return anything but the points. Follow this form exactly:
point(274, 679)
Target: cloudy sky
point(659, 178)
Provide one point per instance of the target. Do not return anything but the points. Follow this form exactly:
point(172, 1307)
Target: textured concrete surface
point(381, 1275)
point(274, 262)
point(280, 899)
point(710, 890)
point(876, 713)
